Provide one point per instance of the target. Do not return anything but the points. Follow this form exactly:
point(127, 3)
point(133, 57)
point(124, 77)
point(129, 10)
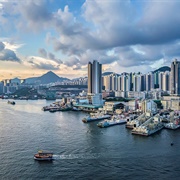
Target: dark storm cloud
point(7, 54)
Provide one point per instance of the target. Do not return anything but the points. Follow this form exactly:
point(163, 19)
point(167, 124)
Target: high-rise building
point(143, 82)
point(137, 82)
point(175, 77)
point(94, 77)
point(160, 80)
point(119, 83)
point(156, 79)
point(165, 80)
point(149, 81)
point(107, 82)
point(114, 82)
point(95, 83)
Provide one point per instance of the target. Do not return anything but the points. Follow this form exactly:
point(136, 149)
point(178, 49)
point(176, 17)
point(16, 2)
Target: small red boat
point(43, 156)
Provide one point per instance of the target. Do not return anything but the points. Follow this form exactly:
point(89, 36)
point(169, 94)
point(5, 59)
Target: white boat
point(172, 126)
point(174, 122)
point(131, 123)
point(115, 120)
point(95, 117)
point(151, 126)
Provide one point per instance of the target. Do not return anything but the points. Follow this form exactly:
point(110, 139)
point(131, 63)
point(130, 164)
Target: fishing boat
point(43, 156)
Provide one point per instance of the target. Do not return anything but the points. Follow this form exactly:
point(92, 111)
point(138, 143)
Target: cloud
point(71, 61)
point(2, 46)
point(7, 54)
point(133, 34)
point(119, 29)
point(42, 52)
point(41, 63)
point(48, 55)
point(46, 66)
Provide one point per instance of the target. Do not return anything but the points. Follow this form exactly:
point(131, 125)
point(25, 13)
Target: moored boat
point(131, 123)
point(151, 126)
point(115, 120)
point(95, 117)
point(174, 122)
point(43, 156)
point(172, 126)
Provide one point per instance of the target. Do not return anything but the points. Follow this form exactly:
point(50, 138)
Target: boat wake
point(78, 156)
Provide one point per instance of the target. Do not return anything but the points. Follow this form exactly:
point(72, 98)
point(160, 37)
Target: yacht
point(43, 156)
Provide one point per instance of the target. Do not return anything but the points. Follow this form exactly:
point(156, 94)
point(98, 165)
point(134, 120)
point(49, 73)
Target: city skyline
point(63, 36)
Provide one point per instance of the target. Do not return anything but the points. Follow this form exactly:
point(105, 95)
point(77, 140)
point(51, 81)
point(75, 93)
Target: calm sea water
point(82, 151)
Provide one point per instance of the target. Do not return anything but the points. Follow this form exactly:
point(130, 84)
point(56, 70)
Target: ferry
point(151, 126)
point(95, 117)
point(43, 156)
point(115, 120)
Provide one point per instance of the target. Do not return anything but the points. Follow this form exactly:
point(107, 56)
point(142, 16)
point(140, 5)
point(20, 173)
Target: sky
point(37, 36)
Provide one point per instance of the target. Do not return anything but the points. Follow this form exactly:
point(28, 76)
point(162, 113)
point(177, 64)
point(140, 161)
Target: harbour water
point(82, 151)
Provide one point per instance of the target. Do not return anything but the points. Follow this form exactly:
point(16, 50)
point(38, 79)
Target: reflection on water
point(110, 153)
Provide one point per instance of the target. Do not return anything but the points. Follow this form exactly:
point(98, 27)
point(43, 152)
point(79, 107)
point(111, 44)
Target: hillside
point(163, 69)
point(47, 78)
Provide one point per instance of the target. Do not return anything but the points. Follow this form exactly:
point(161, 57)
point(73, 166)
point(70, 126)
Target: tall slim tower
point(94, 77)
point(175, 77)
point(89, 77)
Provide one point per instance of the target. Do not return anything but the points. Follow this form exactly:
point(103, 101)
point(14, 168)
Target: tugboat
point(43, 156)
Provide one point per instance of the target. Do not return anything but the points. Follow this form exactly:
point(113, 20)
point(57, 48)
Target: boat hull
point(173, 127)
point(85, 120)
point(43, 159)
point(148, 133)
point(129, 126)
point(108, 125)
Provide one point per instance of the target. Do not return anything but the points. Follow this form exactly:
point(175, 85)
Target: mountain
point(50, 77)
point(163, 69)
point(107, 73)
point(47, 78)
point(31, 80)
